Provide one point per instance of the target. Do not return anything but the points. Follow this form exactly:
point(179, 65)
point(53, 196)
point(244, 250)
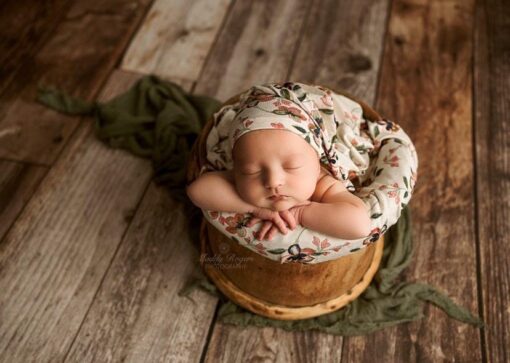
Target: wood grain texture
point(89, 273)
point(305, 284)
point(175, 38)
point(49, 41)
point(256, 44)
point(17, 183)
point(345, 56)
point(256, 57)
point(56, 254)
point(137, 315)
point(254, 344)
point(242, 294)
point(24, 27)
point(426, 87)
point(77, 57)
point(492, 141)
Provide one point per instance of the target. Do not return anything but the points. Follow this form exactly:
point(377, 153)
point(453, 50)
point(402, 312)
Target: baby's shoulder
point(224, 174)
point(325, 183)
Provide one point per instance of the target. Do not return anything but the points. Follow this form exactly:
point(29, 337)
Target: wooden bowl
point(287, 291)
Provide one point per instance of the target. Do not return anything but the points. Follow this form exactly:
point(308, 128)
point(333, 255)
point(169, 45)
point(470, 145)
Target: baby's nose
point(274, 180)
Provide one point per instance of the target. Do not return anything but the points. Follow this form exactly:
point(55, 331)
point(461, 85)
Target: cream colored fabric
point(376, 159)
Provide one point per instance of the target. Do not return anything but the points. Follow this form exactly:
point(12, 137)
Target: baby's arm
point(215, 191)
point(336, 212)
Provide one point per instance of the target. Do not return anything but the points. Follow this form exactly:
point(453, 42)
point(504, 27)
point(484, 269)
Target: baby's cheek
point(247, 191)
point(304, 187)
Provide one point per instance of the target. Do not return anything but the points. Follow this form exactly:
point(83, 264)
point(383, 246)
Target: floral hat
point(305, 110)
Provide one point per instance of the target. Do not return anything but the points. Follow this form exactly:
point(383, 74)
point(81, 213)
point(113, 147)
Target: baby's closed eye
point(293, 166)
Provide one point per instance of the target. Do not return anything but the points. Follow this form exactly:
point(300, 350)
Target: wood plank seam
point(42, 42)
point(299, 40)
point(128, 41)
point(101, 85)
point(128, 225)
point(216, 40)
point(22, 209)
point(479, 13)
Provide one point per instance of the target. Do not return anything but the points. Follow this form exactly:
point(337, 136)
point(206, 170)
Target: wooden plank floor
point(92, 252)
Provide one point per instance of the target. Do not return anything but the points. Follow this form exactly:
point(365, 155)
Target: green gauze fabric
point(384, 303)
point(158, 119)
point(154, 119)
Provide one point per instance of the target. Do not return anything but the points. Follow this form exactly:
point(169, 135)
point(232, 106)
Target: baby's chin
point(279, 205)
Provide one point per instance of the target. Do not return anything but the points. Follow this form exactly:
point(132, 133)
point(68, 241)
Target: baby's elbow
point(193, 192)
point(364, 224)
point(364, 230)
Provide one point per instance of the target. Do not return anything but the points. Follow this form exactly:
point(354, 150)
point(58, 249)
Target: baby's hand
point(292, 216)
point(297, 210)
point(272, 221)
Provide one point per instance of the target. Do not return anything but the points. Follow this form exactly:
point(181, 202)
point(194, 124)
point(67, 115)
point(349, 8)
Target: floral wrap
point(376, 160)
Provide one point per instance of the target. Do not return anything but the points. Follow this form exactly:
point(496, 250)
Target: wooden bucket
point(287, 291)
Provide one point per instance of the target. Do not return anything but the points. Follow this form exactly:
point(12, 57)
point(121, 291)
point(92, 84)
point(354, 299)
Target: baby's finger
point(265, 227)
point(280, 224)
point(253, 221)
point(289, 218)
point(272, 232)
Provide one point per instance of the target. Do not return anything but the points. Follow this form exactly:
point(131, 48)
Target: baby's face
point(269, 162)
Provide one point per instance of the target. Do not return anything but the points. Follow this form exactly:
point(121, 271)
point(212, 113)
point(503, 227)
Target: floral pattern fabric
point(305, 110)
point(376, 159)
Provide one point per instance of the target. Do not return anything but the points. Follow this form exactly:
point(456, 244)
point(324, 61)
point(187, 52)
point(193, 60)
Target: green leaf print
point(405, 182)
point(300, 129)
point(277, 251)
point(376, 131)
point(361, 148)
point(327, 111)
point(285, 93)
point(375, 215)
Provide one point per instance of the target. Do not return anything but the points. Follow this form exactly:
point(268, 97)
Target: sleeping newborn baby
point(278, 178)
point(285, 167)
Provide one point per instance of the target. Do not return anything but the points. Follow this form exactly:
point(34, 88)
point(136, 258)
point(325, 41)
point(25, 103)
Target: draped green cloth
point(157, 119)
